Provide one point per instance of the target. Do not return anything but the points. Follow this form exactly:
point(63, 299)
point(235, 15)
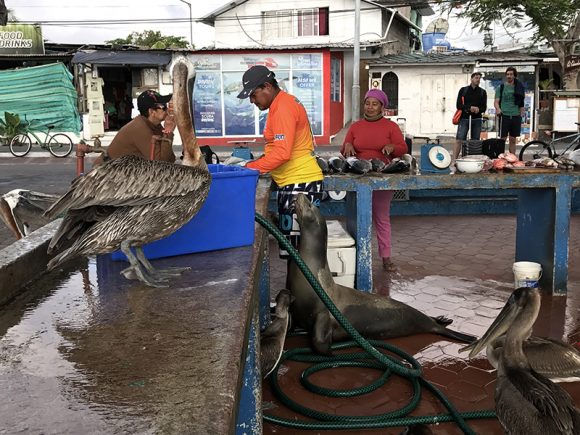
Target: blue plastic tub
point(226, 219)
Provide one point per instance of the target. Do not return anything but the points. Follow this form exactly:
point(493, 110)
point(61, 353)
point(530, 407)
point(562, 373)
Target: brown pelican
point(558, 361)
point(129, 202)
point(526, 402)
point(22, 210)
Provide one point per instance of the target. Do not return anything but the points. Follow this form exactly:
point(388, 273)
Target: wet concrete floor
point(457, 266)
point(55, 377)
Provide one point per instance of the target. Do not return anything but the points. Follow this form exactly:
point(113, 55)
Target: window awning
point(143, 58)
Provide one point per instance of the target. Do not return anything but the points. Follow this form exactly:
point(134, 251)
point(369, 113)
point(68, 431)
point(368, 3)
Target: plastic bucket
point(527, 274)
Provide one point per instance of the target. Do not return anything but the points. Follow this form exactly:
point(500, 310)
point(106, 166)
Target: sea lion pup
point(373, 316)
point(273, 337)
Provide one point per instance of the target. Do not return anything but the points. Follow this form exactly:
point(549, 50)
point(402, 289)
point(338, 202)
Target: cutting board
point(530, 170)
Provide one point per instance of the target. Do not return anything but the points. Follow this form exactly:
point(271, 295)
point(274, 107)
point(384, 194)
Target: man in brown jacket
point(135, 137)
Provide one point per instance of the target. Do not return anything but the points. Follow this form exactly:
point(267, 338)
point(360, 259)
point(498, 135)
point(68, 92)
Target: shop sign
point(242, 62)
point(21, 39)
point(307, 87)
point(572, 62)
point(307, 61)
point(207, 104)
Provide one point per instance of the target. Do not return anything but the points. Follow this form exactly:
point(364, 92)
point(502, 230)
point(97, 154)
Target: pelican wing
point(128, 181)
point(552, 357)
point(552, 403)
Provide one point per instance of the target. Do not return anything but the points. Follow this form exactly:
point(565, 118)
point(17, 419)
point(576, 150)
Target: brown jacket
point(135, 139)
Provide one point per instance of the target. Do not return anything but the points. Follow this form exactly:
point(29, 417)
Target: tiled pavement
point(458, 266)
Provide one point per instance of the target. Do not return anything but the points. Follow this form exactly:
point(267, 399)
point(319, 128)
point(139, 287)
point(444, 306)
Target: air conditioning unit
point(439, 48)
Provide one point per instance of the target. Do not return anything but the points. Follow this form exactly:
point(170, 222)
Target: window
point(295, 22)
point(391, 88)
point(277, 24)
point(335, 79)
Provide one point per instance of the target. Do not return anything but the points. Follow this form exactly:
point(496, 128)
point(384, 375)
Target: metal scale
point(435, 159)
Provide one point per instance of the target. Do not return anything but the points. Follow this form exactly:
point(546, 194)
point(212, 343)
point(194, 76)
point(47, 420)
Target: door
point(438, 97)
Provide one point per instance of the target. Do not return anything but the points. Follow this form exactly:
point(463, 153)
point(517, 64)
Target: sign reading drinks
point(21, 39)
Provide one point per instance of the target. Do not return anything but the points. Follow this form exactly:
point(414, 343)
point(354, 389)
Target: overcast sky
point(108, 11)
point(51, 13)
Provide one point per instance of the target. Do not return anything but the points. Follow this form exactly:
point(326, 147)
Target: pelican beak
point(8, 218)
point(499, 327)
point(19, 207)
point(38, 199)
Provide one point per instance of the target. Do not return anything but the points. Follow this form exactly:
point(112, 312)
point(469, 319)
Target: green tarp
point(45, 94)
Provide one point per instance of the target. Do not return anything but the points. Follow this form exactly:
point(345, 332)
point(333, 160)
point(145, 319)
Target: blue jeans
point(463, 128)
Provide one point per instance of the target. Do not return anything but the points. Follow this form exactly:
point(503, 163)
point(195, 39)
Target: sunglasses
point(164, 108)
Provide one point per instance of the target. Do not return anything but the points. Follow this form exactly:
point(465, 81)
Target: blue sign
point(207, 105)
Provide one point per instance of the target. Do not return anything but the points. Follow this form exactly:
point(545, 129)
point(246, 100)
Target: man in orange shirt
point(289, 150)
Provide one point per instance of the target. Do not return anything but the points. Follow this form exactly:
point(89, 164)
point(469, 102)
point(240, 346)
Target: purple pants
point(382, 220)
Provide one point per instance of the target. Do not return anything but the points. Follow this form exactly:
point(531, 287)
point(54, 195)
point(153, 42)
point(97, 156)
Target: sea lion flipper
point(322, 333)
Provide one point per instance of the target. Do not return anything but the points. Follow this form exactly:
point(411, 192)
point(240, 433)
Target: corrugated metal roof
point(37, 56)
point(110, 57)
point(452, 57)
point(341, 45)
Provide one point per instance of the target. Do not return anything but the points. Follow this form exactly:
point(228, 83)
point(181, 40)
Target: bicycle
point(536, 149)
point(59, 144)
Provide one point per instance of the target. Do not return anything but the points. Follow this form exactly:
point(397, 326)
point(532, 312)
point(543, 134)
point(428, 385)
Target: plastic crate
point(226, 219)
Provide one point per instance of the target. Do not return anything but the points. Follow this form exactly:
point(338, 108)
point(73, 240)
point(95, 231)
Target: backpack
point(209, 156)
point(518, 98)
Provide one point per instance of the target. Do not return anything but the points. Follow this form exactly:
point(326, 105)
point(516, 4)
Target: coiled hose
point(370, 358)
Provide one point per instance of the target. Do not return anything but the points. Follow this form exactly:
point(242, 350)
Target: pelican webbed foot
point(132, 273)
point(139, 271)
point(163, 273)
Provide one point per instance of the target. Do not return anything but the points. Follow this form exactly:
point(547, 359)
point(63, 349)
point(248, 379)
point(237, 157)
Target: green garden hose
point(370, 358)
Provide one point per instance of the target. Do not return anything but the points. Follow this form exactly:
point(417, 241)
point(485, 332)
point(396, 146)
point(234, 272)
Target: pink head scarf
point(379, 95)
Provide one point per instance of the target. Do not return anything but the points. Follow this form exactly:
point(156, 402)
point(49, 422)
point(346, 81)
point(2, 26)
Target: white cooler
point(341, 254)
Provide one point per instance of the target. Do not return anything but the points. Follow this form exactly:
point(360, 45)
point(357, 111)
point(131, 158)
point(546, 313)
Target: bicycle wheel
point(535, 149)
point(60, 145)
point(20, 145)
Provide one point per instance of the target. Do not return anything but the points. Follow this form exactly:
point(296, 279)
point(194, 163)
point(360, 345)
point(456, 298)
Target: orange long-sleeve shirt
point(289, 149)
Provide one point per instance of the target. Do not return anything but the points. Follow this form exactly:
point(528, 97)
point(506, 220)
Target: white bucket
point(527, 274)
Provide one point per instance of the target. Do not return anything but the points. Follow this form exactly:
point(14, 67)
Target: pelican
point(527, 402)
point(553, 359)
point(22, 210)
point(128, 202)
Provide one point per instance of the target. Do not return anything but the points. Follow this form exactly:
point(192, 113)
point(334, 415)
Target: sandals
point(388, 265)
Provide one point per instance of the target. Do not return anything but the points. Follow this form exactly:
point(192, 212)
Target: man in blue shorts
point(509, 107)
point(472, 101)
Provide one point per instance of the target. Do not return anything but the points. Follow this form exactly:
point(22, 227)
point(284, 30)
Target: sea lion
point(373, 316)
point(273, 337)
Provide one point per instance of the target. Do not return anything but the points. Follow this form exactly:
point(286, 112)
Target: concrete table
point(543, 216)
point(110, 355)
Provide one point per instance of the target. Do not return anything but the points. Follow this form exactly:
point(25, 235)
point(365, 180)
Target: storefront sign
point(572, 62)
point(206, 62)
point(308, 89)
point(242, 62)
point(207, 105)
point(307, 61)
point(219, 112)
point(21, 39)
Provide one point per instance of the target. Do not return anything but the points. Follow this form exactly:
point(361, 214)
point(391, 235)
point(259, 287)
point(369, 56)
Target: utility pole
point(356, 64)
point(190, 23)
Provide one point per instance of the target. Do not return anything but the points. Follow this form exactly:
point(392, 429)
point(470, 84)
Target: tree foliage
point(151, 39)
point(555, 21)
